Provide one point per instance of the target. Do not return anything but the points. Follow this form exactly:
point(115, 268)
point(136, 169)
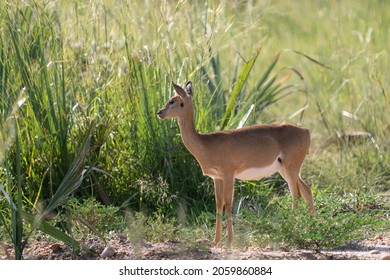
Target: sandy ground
point(120, 248)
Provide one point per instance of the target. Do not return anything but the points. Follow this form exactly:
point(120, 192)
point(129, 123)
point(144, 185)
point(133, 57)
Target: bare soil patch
point(120, 248)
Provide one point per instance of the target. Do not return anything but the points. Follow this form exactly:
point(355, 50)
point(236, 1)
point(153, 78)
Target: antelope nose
point(160, 113)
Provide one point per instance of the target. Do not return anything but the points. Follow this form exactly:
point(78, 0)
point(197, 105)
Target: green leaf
point(242, 78)
point(264, 77)
point(16, 217)
point(73, 177)
point(8, 198)
point(39, 223)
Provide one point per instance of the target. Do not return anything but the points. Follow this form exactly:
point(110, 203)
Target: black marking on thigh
point(280, 160)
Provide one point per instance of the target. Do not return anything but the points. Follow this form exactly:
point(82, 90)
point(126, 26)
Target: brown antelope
point(248, 153)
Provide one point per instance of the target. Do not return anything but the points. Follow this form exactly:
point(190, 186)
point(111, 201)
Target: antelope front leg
point(228, 191)
point(218, 189)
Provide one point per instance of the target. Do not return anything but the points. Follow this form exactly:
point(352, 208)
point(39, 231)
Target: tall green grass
point(41, 172)
point(81, 82)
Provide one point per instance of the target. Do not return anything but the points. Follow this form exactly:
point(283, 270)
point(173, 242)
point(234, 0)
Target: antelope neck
point(190, 136)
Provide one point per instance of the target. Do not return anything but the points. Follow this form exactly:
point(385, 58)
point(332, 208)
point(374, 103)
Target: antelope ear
point(189, 88)
point(179, 90)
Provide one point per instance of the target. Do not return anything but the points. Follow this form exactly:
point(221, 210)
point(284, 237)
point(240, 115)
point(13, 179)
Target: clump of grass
point(154, 228)
point(90, 216)
point(339, 219)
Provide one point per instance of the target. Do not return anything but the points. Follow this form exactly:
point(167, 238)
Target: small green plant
point(155, 228)
point(91, 217)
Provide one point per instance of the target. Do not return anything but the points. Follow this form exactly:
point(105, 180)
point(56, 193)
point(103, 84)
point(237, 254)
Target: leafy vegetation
point(82, 151)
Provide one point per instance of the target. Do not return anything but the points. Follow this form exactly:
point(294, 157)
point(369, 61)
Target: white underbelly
point(256, 173)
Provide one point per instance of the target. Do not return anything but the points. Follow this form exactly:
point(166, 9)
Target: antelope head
point(179, 105)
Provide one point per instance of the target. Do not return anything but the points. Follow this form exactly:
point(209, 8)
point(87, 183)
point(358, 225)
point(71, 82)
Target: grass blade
point(311, 59)
point(45, 227)
point(16, 215)
point(246, 116)
point(267, 72)
point(73, 177)
point(242, 78)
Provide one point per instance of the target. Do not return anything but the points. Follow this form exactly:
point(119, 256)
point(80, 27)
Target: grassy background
point(81, 82)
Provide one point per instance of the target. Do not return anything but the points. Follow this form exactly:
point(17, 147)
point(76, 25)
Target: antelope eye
point(171, 102)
